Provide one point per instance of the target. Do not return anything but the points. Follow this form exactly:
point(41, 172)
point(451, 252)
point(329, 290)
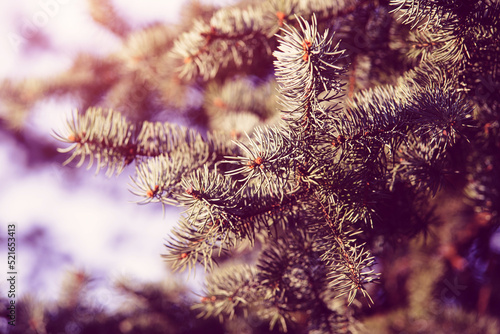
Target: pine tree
point(345, 141)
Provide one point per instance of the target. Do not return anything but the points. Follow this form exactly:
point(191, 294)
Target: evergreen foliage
point(387, 113)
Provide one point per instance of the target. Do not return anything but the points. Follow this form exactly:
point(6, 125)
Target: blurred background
point(68, 219)
point(82, 241)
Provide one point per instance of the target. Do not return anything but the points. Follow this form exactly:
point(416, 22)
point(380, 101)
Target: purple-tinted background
point(70, 219)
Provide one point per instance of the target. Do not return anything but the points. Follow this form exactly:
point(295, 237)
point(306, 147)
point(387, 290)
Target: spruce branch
point(189, 245)
point(292, 268)
point(415, 12)
point(108, 137)
point(306, 65)
point(158, 179)
point(455, 30)
point(424, 167)
point(432, 14)
point(423, 44)
point(208, 196)
point(423, 107)
point(366, 136)
point(347, 269)
point(237, 292)
point(441, 113)
point(100, 134)
point(347, 196)
point(296, 276)
point(319, 186)
point(227, 293)
point(268, 159)
point(346, 259)
point(221, 217)
point(233, 36)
